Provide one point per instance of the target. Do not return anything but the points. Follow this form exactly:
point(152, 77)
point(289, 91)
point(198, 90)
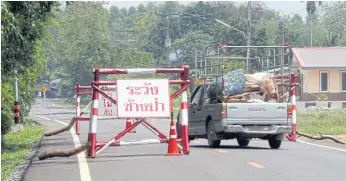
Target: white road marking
point(42, 117)
point(83, 164)
point(322, 146)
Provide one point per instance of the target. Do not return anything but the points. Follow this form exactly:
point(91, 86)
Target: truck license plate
point(257, 128)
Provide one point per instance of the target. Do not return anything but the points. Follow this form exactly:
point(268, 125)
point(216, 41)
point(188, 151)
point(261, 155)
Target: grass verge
point(18, 145)
point(326, 122)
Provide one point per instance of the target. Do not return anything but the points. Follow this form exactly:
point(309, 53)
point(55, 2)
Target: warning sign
point(143, 98)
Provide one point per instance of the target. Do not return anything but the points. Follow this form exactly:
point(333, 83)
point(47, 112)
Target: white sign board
point(106, 107)
point(143, 98)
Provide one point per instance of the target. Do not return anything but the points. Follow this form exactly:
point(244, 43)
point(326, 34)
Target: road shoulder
point(325, 143)
point(52, 169)
point(20, 152)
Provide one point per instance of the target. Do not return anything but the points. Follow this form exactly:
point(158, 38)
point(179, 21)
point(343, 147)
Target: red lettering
point(106, 101)
point(146, 89)
point(146, 92)
point(107, 104)
point(154, 106)
point(154, 90)
point(131, 91)
point(108, 112)
point(138, 90)
point(128, 106)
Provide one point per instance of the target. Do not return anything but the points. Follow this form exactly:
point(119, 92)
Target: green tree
point(82, 43)
point(24, 28)
point(191, 43)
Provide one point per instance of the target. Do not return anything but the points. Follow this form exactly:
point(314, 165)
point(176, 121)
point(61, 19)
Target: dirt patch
point(341, 137)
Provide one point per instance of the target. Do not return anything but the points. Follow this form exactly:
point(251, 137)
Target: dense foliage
point(23, 34)
point(85, 35)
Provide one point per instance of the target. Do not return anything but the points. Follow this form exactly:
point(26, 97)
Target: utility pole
point(282, 51)
point(310, 30)
point(168, 40)
point(248, 37)
point(196, 60)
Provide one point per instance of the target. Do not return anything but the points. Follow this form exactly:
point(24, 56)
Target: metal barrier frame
point(95, 148)
point(292, 93)
point(87, 91)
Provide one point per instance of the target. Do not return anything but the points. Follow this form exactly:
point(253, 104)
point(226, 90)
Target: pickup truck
point(241, 121)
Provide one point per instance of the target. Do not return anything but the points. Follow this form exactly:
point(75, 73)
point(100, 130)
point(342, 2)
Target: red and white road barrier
point(93, 124)
point(293, 106)
point(104, 108)
point(132, 105)
point(184, 123)
point(77, 109)
point(132, 142)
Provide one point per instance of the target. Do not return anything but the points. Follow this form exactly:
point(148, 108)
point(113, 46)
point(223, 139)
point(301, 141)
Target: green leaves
point(24, 32)
point(191, 42)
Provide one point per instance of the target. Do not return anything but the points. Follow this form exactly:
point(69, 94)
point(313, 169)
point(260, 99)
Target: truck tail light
point(289, 110)
point(224, 110)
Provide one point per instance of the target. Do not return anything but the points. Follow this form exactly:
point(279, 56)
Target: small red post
point(77, 109)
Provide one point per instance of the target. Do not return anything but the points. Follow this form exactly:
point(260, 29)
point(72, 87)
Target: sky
point(287, 7)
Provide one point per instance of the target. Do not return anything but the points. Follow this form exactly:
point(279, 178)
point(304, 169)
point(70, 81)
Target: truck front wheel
point(211, 135)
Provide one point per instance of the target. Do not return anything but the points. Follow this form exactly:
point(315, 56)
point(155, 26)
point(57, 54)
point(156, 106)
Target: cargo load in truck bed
point(244, 88)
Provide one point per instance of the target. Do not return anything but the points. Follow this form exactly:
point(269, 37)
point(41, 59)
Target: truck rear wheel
point(211, 135)
point(243, 142)
point(274, 143)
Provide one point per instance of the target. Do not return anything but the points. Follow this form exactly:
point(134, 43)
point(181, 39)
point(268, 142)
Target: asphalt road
point(294, 161)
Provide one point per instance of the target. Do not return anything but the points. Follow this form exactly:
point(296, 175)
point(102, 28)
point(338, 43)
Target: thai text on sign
point(143, 98)
point(106, 107)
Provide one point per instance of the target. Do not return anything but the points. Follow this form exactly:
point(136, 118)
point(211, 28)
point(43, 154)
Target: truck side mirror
point(188, 100)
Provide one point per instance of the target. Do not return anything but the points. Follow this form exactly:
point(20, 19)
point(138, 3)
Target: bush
point(7, 101)
point(332, 122)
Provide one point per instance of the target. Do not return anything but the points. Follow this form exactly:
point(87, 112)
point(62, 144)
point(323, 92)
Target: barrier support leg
point(77, 109)
point(184, 124)
point(157, 132)
point(294, 109)
point(77, 126)
point(184, 114)
point(293, 136)
point(93, 120)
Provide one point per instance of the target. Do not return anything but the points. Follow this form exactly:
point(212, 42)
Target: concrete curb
point(20, 170)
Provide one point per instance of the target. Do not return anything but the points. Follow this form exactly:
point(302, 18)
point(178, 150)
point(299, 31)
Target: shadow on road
point(60, 143)
point(132, 155)
point(229, 147)
point(100, 158)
